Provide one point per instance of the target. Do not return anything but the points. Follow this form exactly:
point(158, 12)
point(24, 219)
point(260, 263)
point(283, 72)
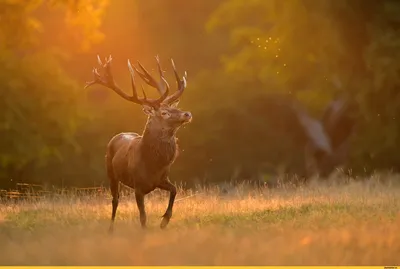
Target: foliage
point(237, 54)
point(38, 106)
point(312, 50)
point(39, 110)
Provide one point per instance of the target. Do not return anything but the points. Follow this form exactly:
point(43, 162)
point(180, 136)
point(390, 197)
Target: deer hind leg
point(168, 186)
point(115, 201)
point(114, 188)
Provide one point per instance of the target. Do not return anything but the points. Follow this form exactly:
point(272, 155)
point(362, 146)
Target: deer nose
point(187, 115)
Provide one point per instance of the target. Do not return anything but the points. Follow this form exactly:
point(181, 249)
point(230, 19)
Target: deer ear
point(175, 103)
point(148, 110)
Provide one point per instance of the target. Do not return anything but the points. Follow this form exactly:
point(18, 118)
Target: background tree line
point(237, 53)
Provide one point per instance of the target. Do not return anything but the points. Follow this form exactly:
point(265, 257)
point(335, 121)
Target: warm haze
point(273, 89)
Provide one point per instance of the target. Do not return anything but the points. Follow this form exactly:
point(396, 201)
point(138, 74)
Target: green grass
point(320, 224)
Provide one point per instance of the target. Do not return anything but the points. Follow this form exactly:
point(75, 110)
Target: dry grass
point(351, 224)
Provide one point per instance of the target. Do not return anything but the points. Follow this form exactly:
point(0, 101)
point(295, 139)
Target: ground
point(356, 223)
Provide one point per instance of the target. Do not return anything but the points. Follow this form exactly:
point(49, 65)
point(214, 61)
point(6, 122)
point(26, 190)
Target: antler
point(312, 128)
point(338, 120)
point(161, 89)
point(181, 86)
point(300, 120)
point(108, 81)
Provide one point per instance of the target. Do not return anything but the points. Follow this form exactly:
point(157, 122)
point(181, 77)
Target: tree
point(313, 50)
point(39, 109)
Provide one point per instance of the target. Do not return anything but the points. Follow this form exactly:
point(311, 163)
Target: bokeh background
point(236, 53)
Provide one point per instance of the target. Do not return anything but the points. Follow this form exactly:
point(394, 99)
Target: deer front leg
point(168, 186)
point(139, 195)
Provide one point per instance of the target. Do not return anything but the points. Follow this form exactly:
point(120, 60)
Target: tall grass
point(356, 223)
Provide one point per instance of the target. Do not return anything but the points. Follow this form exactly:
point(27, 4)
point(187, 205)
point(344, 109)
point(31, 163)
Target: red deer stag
point(326, 141)
point(143, 162)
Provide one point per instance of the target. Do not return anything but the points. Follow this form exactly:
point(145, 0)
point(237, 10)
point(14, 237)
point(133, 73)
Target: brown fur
point(143, 162)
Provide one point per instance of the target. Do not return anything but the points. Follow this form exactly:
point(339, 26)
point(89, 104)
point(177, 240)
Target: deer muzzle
point(186, 116)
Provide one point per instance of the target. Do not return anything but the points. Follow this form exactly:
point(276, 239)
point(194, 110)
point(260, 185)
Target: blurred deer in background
point(143, 162)
point(327, 141)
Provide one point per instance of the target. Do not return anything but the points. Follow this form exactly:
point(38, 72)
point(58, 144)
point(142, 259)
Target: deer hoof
point(164, 223)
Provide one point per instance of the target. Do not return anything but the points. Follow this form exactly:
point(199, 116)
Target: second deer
point(143, 162)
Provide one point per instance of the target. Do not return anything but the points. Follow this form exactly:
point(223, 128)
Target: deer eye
point(164, 113)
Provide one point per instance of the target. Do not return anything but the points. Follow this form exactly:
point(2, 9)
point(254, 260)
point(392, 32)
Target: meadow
point(356, 222)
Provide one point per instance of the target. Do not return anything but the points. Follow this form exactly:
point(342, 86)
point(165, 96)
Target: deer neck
point(158, 145)
point(155, 133)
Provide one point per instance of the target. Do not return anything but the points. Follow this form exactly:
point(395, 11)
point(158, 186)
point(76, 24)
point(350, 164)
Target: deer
point(143, 162)
point(326, 141)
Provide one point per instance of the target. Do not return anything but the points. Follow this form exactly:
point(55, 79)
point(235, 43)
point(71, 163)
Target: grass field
point(356, 223)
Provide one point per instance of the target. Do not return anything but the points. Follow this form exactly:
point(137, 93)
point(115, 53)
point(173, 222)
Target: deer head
point(163, 113)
